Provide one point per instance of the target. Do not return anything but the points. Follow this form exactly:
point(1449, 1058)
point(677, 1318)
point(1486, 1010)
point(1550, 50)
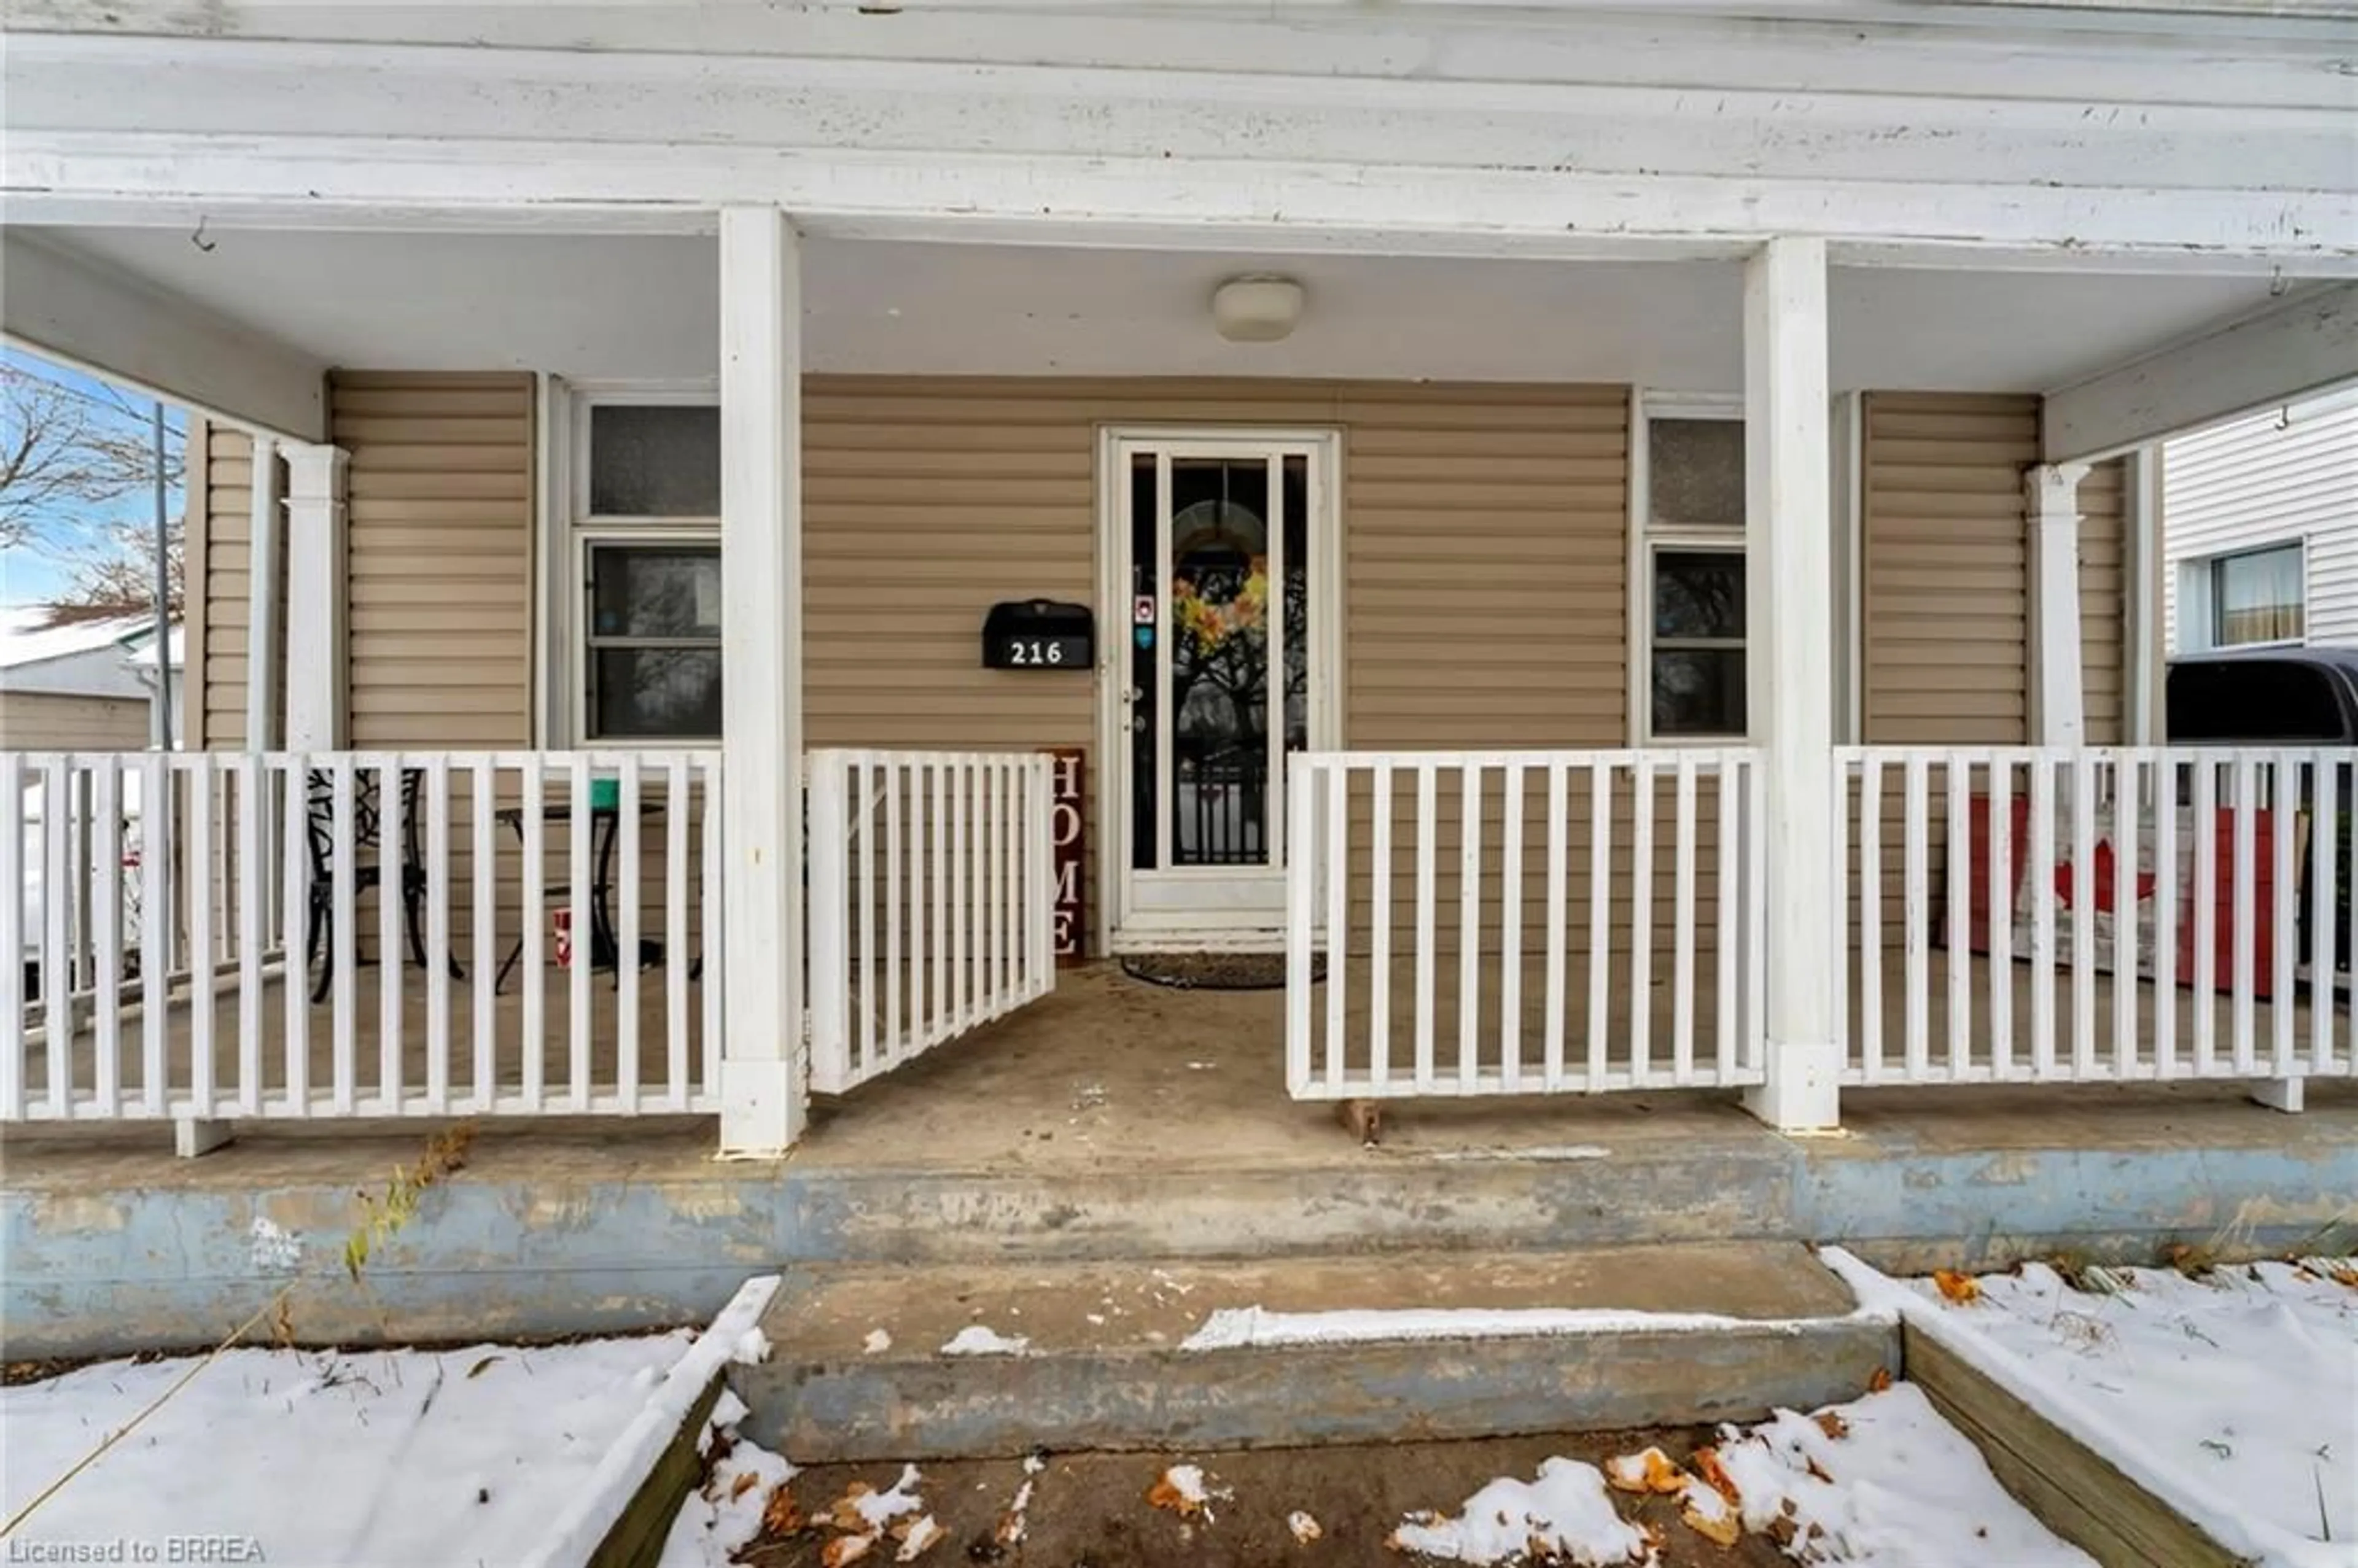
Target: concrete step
point(858, 1368)
point(1679, 1184)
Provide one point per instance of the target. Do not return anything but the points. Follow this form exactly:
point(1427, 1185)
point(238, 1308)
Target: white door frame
point(1121, 927)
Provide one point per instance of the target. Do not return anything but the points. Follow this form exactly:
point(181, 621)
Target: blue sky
point(36, 574)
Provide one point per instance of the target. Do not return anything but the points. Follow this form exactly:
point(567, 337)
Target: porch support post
point(1788, 532)
point(2051, 503)
point(266, 525)
point(316, 598)
point(764, 1077)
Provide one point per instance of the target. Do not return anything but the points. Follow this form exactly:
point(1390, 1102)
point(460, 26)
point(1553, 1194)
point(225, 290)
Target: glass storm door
point(1215, 540)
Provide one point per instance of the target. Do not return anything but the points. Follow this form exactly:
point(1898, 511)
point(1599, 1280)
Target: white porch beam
point(1393, 206)
point(2058, 691)
point(316, 641)
point(2304, 345)
point(1789, 534)
point(763, 1071)
point(267, 525)
point(71, 309)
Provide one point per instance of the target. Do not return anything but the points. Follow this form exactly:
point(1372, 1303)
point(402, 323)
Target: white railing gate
point(932, 890)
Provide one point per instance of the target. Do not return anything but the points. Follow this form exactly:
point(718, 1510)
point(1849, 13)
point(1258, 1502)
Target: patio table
point(605, 824)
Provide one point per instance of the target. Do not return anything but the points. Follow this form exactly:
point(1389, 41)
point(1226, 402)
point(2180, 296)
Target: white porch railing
point(210, 935)
point(1988, 937)
point(931, 898)
point(1523, 922)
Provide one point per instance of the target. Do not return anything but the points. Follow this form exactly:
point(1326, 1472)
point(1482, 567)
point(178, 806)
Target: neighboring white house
point(84, 686)
point(2260, 528)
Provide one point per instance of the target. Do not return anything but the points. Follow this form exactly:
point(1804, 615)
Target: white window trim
point(1645, 406)
point(570, 533)
point(2198, 620)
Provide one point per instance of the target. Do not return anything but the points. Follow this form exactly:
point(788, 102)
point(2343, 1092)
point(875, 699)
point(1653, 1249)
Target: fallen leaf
point(845, 1549)
point(1819, 1471)
point(779, 1515)
point(2344, 1276)
point(1649, 1471)
point(1881, 1382)
point(918, 1537)
point(1708, 1514)
point(1833, 1426)
point(1707, 1466)
point(743, 1483)
point(1184, 1490)
point(1958, 1288)
point(480, 1368)
point(1305, 1528)
point(845, 1513)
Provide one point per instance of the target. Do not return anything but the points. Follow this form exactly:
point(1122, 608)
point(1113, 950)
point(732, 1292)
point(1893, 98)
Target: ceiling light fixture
point(1257, 308)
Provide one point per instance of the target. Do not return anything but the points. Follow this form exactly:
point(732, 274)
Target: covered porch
point(1681, 578)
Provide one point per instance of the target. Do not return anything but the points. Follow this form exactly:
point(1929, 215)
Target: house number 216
point(1037, 653)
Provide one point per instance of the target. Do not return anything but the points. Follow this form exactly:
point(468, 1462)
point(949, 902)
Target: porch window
point(1690, 621)
point(646, 525)
point(654, 641)
point(2256, 597)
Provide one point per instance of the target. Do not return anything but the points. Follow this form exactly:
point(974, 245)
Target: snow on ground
point(976, 1339)
point(1236, 1328)
point(322, 1457)
point(1567, 1512)
point(1882, 1482)
point(725, 1513)
point(745, 1488)
point(2232, 1396)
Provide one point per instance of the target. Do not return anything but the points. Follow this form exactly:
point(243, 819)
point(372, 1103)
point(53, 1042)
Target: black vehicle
point(2278, 697)
point(2261, 696)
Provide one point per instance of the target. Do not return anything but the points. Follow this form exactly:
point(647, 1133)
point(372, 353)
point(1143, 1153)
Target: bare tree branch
point(61, 454)
point(64, 456)
point(116, 576)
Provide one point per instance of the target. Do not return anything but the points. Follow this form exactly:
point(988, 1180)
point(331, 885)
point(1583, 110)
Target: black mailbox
point(1039, 635)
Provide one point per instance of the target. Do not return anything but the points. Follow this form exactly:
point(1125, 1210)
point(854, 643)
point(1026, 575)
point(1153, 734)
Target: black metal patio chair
point(367, 822)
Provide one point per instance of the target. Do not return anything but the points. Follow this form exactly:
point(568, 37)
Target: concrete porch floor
point(1113, 1073)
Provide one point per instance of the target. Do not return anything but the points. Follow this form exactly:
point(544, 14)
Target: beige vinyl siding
point(439, 552)
point(2103, 603)
point(1483, 577)
point(53, 721)
point(1944, 655)
point(1483, 552)
point(1483, 543)
point(1945, 577)
point(220, 519)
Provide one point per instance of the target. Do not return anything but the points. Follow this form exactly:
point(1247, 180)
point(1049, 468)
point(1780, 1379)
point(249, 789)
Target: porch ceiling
point(644, 305)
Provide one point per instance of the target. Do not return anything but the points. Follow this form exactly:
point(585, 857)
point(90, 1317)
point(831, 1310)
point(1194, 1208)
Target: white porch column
point(763, 1072)
point(316, 679)
point(2051, 504)
point(265, 526)
point(1788, 532)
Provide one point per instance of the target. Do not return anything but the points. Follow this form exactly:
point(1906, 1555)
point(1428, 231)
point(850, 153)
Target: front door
point(1219, 545)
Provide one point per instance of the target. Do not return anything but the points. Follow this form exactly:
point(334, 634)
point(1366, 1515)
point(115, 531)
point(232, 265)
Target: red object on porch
point(2107, 872)
point(2222, 958)
point(560, 931)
